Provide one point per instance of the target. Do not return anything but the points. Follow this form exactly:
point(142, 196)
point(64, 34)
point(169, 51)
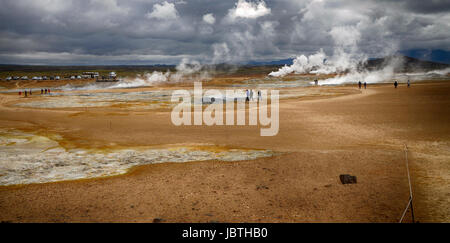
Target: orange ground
point(361, 133)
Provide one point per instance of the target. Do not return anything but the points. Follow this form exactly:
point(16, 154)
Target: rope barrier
point(406, 210)
point(410, 202)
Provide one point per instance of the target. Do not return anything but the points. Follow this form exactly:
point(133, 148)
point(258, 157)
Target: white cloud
point(345, 35)
point(221, 53)
point(209, 18)
point(164, 11)
point(249, 10)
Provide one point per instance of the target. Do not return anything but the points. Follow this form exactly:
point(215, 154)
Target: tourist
point(395, 84)
point(365, 85)
point(359, 84)
point(409, 83)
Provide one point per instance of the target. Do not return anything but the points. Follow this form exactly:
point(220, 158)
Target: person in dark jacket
point(359, 84)
point(395, 84)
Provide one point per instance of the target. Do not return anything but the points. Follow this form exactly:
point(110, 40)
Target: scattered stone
point(347, 179)
point(157, 220)
point(259, 187)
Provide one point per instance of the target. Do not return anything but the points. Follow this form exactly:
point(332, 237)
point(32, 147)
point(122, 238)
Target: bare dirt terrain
point(361, 132)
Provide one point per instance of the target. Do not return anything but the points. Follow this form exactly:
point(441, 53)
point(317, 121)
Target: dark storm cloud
point(148, 32)
point(420, 6)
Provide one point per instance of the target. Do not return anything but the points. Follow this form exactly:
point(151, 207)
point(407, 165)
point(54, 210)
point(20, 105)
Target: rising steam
point(186, 70)
point(344, 62)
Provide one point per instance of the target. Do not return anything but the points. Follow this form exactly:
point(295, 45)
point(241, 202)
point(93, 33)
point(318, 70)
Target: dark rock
point(259, 187)
point(157, 220)
point(347, 179)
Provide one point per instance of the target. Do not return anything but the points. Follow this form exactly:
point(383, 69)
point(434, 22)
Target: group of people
point(407, 83)
point(26, 93)
point(360, 84)
point(30, 92)
point(395, 84)
point(249, 95)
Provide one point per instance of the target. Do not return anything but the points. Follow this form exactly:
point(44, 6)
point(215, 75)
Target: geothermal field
point(242, 111)
point(92, 151)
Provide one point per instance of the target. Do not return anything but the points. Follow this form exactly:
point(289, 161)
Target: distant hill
point(405, 64)
point(282, 62)
point(440, 56)
point(409, 64)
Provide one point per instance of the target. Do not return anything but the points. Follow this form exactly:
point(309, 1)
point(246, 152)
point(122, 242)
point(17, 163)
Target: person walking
point(395, 84)
point(409, 83)
point(359, 84)
point(365, 85)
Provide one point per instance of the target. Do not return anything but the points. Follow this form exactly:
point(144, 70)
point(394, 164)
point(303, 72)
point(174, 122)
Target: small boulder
point(347, 179)
point(157, 220)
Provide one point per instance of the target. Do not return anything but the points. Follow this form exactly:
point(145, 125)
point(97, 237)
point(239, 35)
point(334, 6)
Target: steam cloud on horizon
point(344, 62)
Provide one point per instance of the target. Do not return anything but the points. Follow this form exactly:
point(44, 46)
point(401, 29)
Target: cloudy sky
point(213, 31)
